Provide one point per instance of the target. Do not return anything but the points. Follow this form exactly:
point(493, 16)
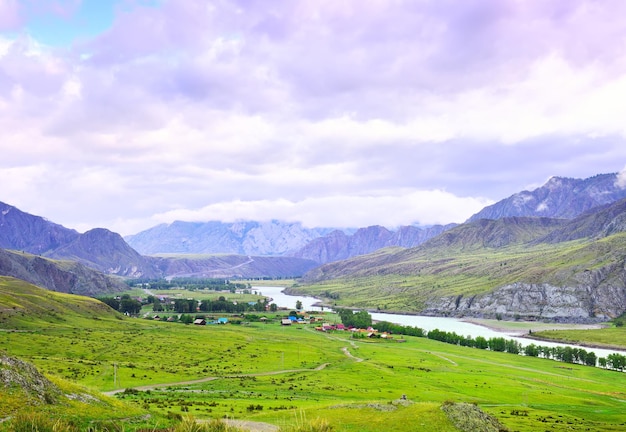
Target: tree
point(481, 343)
point(531, 350)
point(497, 344)
point(361, 319)
point(298, 305)
point(130, 306)
point(273, 307)
point(112, 302)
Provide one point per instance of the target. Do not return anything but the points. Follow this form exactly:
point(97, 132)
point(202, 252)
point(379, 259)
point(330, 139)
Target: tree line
point(565, 354)
point(189, 284)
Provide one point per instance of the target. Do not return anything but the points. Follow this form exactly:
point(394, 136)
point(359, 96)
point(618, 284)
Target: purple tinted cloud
point(195, 105)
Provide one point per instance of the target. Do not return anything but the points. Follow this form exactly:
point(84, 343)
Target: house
point(172, 319)
point(222, 320)
point(156, 318)
point(199, 321)
point(340, 327)
point(285, 321)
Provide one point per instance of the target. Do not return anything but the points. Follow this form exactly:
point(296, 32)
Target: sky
point(125, 114)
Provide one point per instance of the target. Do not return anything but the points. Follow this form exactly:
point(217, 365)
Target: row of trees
point(565, 354)
point(127, 305)
point(189, 284)
point(219, 305)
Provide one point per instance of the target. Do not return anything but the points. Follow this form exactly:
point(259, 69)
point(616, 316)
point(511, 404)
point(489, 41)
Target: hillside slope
point(58, 275)
point(107, 252)
point(231, 266)
point(31, 401)
point(23, 305)
point(339, 246)
point(491, 268)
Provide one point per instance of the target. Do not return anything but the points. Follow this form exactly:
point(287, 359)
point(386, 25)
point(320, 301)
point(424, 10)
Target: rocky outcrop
point(537, 302)
point(32, 384)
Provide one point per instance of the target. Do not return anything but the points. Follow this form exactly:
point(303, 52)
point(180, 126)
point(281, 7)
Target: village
point(210, 307)
point(295, 318)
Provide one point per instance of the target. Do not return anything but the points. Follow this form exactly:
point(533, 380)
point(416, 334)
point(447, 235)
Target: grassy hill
point(25, 306)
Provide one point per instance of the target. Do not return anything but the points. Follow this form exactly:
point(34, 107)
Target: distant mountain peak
point(559, 197)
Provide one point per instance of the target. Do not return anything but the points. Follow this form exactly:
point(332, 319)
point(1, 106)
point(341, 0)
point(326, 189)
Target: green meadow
point(614, 337)
point(291, 375)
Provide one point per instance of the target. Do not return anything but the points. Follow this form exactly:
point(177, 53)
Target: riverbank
point(532, 330)
point(578, 342)
point(524, 328)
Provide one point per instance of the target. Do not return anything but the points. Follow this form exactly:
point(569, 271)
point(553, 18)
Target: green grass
point(614, 337)
point(295, 375)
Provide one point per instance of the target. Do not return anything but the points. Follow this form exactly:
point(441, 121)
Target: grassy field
point(614, 337)
point(291, 375)
point(523, 393)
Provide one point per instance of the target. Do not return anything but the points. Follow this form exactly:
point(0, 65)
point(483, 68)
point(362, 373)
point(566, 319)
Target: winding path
point(245, 424)
point(212, 378)
point(349, 354)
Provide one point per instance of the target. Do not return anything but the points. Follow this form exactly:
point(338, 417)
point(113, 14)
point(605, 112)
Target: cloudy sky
point(125, 114)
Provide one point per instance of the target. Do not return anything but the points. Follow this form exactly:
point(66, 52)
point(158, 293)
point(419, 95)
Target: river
point(456, 325)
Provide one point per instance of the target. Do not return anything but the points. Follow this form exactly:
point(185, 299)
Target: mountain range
point(528, 267)
point(558, 246)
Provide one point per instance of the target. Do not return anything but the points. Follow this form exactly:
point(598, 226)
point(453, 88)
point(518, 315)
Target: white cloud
point(392, 210)
point(336, 114)
point(621, 179)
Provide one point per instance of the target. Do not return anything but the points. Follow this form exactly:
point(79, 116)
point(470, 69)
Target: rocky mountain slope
point(28, 233)
point(275, 238)
point(49, 255)
point(339, 246)
point(98, 249)
point(559, 198)
point(62, 276)
point(242, 238)
point(512, 267)
point(107, 252)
